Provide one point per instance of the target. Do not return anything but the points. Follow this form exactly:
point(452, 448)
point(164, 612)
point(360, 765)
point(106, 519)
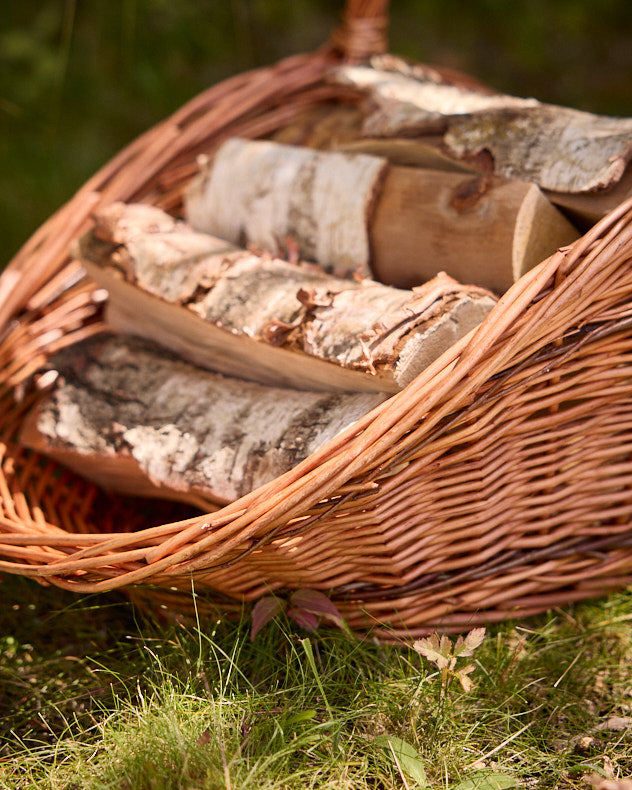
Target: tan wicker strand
point(364, 30)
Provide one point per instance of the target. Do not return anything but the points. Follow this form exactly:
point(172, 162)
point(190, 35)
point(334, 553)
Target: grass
point(95, 695)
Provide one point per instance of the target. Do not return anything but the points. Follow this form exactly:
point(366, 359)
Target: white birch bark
point(312, 330)
point(558, 148)
point(261, 193)
point(140, 421)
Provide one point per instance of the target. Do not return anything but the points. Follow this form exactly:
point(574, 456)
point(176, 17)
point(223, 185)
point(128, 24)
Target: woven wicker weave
point(498, 484)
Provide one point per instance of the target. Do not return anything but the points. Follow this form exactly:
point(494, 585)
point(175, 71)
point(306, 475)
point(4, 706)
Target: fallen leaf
point(486, 780)
point(584, 744)
point(616, 723)
point(600, 782)
point(480, 765)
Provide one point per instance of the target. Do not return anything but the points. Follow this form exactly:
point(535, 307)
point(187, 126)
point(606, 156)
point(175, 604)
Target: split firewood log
point(261, 318)
point(258, 192)
point(398, 224)
point(135, 419)
point(578, 158)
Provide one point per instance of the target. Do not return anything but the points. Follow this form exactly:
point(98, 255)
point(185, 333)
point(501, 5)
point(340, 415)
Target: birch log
point(261, 318)
point(261, 193)
point(404, 223)
point(139, 421)
point(564, 151)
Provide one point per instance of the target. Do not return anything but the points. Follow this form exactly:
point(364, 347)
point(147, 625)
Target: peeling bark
point(137, 420)
point(558, 148)
point(270, 320)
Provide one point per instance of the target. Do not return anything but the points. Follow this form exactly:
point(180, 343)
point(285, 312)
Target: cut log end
point(479, 230)
point(424, 347)
point(540, 230)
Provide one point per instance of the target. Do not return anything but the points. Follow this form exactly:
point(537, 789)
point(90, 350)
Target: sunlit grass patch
point(95, 696)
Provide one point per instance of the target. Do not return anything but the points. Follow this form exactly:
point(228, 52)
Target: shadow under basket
point(497, 485)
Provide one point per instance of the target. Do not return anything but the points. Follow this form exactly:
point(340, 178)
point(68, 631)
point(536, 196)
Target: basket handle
point(363, 31)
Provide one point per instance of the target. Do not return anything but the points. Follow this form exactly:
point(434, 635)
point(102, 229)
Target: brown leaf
point(465, 647)
point(429, 647)
point(466, 683)
point(616, 723)
point(600, 782)
point(584, 744)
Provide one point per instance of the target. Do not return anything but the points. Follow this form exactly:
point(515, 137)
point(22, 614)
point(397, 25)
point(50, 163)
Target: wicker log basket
point(498, 484)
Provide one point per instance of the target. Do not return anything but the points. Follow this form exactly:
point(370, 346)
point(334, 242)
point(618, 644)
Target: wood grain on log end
point(540, 231)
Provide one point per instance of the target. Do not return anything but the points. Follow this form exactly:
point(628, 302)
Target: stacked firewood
point(226, 367)
point(304, 286)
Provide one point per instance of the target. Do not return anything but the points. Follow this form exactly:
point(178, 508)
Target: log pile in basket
point(344, 323)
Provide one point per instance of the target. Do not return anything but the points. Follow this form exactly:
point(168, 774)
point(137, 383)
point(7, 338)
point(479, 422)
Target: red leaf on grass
point(304, 618)
point(263, 611)
point(316, 603)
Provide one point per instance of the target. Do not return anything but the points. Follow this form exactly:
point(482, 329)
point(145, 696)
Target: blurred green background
point(81, 78)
